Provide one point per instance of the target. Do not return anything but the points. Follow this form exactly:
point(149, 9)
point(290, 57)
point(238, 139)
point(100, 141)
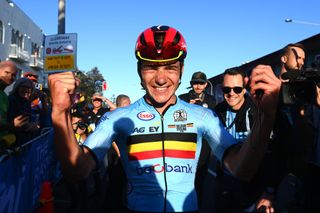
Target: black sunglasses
point(227, 90)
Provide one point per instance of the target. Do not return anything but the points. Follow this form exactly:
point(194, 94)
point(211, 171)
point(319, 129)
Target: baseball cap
point(198, 77)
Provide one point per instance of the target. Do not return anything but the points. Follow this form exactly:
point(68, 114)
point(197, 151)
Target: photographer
point(80, 128)
point(297, 126)
point(197, 95)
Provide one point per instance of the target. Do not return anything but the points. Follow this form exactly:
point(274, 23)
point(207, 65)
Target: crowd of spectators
point(287, 180)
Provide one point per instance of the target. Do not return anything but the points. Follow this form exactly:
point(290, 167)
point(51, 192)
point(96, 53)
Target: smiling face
point(233, 99)
point(161, 83)
point(97, 103)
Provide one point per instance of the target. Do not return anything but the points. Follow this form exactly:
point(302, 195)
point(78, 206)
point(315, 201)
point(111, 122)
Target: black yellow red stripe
point(181, 145)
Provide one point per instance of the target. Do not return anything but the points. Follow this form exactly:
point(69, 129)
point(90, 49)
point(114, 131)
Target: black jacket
point(208, 101)
point(240, 120)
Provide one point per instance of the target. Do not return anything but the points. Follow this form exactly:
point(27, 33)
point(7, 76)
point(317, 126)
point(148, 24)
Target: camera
point(82, 125)
point(301, 87)
point(193, 95)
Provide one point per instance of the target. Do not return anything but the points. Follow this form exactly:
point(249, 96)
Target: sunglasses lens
point(226, 90)
point(237, 90)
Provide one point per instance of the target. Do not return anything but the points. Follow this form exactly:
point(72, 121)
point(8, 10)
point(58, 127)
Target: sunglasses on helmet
point(166, 54)
point(227, 90)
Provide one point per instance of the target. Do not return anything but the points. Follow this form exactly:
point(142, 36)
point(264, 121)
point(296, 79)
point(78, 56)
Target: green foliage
point(88, 80)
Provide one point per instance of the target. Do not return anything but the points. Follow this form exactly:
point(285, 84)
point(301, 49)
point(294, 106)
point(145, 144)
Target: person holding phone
point(20, 104)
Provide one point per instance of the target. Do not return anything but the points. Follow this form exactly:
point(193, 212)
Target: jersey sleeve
point(216, 135)
point(100, 140)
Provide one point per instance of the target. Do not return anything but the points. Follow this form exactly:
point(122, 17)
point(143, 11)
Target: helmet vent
point(158, 40)
point(176, 39)
point(143, 40)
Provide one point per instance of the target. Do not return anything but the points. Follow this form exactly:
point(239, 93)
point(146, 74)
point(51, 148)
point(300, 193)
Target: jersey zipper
point(164, 163)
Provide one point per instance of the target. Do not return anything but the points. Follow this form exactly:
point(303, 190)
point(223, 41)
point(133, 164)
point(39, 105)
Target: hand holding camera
point(194, 98)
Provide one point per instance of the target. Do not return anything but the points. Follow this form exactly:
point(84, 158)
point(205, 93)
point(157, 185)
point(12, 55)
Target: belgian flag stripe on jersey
point(158, 154)
point(139, 149)
point(187, 137)
point(187, 146)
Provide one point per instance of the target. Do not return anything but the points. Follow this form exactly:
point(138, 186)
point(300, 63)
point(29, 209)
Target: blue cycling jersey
point(160, 152)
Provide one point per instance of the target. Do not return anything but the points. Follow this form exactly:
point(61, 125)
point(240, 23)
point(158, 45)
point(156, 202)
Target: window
point(35, 49)
point(1, 33)
point(13, 37)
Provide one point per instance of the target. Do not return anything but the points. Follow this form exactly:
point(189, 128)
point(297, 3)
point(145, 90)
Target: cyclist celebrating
point(160, 136)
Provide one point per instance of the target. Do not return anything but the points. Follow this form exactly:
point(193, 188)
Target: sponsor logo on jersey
point(145, 116)
point(157, 168)
point(151, 129)
point(173, 145)
point(180, 115)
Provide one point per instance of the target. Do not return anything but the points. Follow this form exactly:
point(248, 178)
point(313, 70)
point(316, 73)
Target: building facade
point(21, 40)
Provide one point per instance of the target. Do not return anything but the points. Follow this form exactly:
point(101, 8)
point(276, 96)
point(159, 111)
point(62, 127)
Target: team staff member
point(159, 135)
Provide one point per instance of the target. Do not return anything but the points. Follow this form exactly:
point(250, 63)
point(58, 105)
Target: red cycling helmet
point(160, 44)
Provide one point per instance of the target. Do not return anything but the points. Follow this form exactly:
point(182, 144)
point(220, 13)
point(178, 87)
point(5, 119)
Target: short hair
point(120, 98)
point(4, 64)
point(235, 71)
point(287, 48)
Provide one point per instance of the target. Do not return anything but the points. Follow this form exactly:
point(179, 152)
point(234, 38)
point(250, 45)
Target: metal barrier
point(24, 169)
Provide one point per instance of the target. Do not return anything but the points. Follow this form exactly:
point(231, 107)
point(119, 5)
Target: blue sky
point(219, 34)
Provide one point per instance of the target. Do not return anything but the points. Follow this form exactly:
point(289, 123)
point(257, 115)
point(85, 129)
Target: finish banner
point(22, 175)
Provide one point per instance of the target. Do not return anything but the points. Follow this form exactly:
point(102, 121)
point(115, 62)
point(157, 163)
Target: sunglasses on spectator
point(227, 90)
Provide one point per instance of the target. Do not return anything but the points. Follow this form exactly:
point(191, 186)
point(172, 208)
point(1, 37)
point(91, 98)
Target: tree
point(88, 80)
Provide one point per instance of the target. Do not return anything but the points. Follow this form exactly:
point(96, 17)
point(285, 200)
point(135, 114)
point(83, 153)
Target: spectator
point(237, 113)
point(292, 59)
point(197, 95)
point(39, 102)
point(80, 127)
point(160, 136)
point(122, 101)
point(98, 110)
point(298, 128)
point(20, 104)
point(8, 72)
